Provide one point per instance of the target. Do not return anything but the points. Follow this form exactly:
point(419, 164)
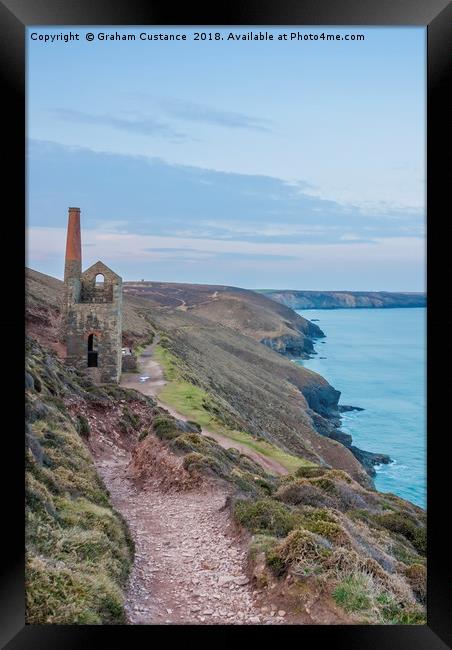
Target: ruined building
point(93, 311)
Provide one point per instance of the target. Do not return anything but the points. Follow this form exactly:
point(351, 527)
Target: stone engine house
point(93, 311)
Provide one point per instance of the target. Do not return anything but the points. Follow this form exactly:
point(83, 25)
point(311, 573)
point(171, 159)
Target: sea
point(377, 359)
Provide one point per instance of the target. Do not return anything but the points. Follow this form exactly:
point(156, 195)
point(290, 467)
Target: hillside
point(244, 311)
point(216, 539)
point(244, 382)
point(345, 299)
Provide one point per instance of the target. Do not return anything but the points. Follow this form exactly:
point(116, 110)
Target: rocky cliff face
point(346, 299)
point(290, 345)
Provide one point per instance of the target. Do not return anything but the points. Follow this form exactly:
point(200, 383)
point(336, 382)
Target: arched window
point(99, 281)
point(92, 351)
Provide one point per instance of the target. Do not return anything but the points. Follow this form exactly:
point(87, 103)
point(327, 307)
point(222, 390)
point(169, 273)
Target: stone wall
point(95, 311)
point(129, 363)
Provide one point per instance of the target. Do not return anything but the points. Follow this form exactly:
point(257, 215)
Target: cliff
point(248, 384)
point(323, 544)
point(345, 299)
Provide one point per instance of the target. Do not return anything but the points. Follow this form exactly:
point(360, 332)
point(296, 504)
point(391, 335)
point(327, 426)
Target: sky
point(262, 164)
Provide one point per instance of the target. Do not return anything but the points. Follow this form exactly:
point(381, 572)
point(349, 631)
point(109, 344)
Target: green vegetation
point(417, 577)
point(79, 551)
point(302, 546)
point(266, 516)
point(195, 425)
point(350, 557)
point(353, 593)
point(165, 428)
point(204, 455)
point(132, 419)
point(143, 344)
point(406, 525)
point(82, 426)
point(206, 412)
point(361, 594)
point(317, 529)
point(315, 523)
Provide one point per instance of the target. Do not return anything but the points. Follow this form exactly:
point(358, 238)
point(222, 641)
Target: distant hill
point(344, 299)
point(245, 311)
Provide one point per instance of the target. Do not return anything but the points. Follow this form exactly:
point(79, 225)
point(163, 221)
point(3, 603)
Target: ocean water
point(377, 359)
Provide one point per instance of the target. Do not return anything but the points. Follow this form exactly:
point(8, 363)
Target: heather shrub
point(266, 516)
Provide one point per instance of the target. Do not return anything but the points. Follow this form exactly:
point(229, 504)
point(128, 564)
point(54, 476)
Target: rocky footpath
point(190, 563)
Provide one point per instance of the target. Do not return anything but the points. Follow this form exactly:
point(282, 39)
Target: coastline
point(392, 419)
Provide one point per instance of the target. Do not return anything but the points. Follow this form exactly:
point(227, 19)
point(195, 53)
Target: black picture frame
point(436, 16)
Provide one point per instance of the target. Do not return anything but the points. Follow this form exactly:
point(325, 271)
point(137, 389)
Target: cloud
point(190, 111)
point(131, 123)
point(387, 264)
point(145, 196)
point(119, 246)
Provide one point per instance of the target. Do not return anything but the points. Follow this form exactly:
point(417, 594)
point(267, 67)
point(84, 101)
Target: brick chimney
point(73, 261)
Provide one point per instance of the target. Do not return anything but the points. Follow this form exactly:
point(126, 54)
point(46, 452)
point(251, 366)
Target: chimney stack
point(73, 261)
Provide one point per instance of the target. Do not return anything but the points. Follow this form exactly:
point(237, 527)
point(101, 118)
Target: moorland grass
point(191, 401)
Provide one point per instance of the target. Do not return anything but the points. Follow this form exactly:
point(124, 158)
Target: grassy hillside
point(245, 311)
point(320, 538)
point(252, 388)
point(196, 404)
point(78, 549)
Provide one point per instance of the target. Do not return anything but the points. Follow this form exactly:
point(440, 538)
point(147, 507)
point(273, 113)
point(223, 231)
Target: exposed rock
point(344, 408)
point(322, 398)
point(369, 459)
point(291, 345)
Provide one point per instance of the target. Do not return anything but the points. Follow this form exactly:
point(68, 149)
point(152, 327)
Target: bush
point(276, 563)
point(266, 516)
point(303, 492)
point(340, 475)
point(187, 442)
point(143, 434)
point(57, 594)
point(406, 525)
point(332, 531)
point(310, 471)
point(324, 483)
point(417, 577)
point(303, 546)
point(130, 418)
point(201, 463)
point(82, 426)
point(164, 428)
point(395, 612)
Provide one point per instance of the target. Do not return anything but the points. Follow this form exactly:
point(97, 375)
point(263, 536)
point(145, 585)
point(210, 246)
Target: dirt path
point(190, 562)
point(189, 565)
point(150, 381)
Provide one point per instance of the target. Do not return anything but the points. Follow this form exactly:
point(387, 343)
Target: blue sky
point(259, 164)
